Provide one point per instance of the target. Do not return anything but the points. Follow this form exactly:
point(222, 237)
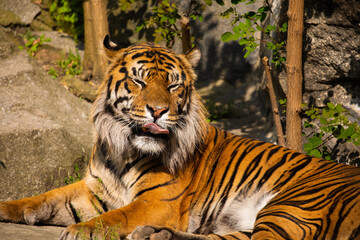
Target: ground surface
point(10, 231)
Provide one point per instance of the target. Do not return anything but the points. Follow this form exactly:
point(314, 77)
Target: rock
point(43, 22)
point(61, 41)
point(44, 129)
point(331, 53)
point(10, 231)
point(8, 17)
point(79, 88)
point(24, 10)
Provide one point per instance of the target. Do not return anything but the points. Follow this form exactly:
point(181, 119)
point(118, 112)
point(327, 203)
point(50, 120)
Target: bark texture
point(294, 74)
point(96, 28)
point(274, 105)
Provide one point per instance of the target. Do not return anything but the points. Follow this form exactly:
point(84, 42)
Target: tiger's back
point(275, 193)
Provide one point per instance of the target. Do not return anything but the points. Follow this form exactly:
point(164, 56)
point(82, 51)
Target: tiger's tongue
point(154, 129)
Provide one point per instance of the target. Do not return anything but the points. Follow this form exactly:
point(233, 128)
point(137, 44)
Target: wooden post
point(294, 74)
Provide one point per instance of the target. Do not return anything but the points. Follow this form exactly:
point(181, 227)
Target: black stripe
point(113, 167)
point(117, 85)
point(355, 233)
point(143, 61)
point(108, 87)
point(102, 203)
point(279, 230)
point(100, 181)
point(73, 211)
point(120, 100)
point(233, 236)
point(123, 70)
point(154, 187)
point(248, 234)
point(145, 172)
point(271, 170)
point(174, 198)
point(137, 55)
point(98, 210)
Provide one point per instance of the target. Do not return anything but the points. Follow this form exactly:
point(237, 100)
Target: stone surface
point(10, 231)
point(331, 61)
point(79, 88)
point(332, 52)
point(61, 41)
point(44, 129)
point(25, 10)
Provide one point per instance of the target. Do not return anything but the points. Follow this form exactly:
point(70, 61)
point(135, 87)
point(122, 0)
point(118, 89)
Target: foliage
point(77, 176)
point(53, 73)
point(246, 25)
point(33, 42)
point(101, 229)
point(69, 15)
point(125, 4)
point(165, 20)
point(219, 111)
point(333, 123)
point(72, 64)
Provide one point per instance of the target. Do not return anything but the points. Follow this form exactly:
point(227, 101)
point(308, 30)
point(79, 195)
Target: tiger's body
point(157, 163)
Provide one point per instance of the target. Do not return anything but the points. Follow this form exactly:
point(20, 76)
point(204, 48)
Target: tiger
point(159, 170)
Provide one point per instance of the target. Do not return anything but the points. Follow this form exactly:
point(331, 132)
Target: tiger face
point(151, 106)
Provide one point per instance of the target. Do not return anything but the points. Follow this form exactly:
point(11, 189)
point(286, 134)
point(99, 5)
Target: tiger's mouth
point(151, 130)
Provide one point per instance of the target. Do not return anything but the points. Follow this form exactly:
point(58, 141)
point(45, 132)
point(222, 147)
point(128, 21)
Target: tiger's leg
point(121, 222)
point(159, 233)
point(62, 206)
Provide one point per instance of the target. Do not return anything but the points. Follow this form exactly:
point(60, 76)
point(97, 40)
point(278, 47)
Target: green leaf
point(247, 54)
point(243, 41)
point(283, 27)
point(208, 2)
point(228, 36)
point(339, 108)
point(323, 120)
point(270, 28)
point(316, 153)
point(308, 146)
point(139, 27)
point(331, 105)
point(263, 9)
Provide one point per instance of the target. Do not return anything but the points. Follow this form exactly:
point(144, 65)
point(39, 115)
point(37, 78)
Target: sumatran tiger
point(159, 171)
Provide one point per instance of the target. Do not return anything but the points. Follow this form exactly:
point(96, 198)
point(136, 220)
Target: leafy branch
point(331, 122)
point(246, 25)
point(166, 19)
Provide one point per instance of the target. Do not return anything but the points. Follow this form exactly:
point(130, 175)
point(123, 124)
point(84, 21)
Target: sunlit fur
point(184, 177)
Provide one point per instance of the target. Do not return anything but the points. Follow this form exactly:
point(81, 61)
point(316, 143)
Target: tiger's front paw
point(21, 211)
point(151, 233)
point(90, 230)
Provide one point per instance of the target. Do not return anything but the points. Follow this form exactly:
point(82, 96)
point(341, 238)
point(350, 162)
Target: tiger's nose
point(157, 111)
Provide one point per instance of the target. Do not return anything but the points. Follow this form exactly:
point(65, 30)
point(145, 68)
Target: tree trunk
point(96, 28)
point(185, 36)
point(294, 74)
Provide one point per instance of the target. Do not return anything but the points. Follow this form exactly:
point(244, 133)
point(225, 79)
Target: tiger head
point(147, 103)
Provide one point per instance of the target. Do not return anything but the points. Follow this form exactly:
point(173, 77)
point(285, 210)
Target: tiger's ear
point(110, 48)
point(193, 56)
